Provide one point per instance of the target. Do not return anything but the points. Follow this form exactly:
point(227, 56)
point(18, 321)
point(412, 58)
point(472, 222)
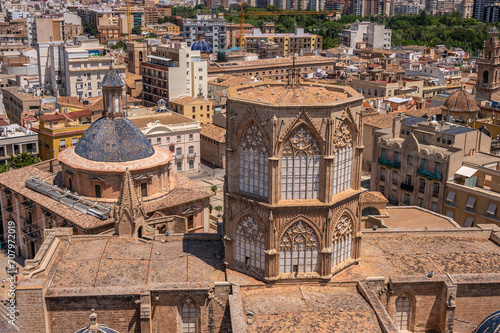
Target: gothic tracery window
point(342, 240)
point(300, 166)
point(253, 163)
point(249, 244)
point(342, 162)
point(188, 316)
point(299, 249)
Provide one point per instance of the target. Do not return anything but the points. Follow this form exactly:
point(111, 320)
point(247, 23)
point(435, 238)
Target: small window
point(438, 139)
point(410, 160)
point(435, 189)
point(62, 144)
point(423, 164)
point(190, 136)
point(74, 141)
point(382, 174)
point(470, 203)
point(434, 207)
point(395, 178)
point(144, 190)
point(97, 189)
point(158, 140)
point(179, 166)
point(382, 189)
point(420, 202)
point(191, 164)
point(469, 221)
point(396, 157)
point(178, 138)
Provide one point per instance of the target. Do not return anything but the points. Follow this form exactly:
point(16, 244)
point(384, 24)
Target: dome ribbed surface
point(102, 328)
point(461, 101)
point(200, 45)
point(112, 79)
point(490, 325)
point(114, 140)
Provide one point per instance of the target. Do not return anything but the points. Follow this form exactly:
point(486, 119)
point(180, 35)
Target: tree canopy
point(19, 161)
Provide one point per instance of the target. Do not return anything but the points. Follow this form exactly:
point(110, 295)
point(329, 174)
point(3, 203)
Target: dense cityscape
point(262, 166)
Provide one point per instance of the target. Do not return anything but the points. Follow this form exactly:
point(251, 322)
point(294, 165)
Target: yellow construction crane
point(242, 15)
point(129, 22)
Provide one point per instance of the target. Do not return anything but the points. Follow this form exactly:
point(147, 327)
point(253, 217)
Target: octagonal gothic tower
point(293, 180)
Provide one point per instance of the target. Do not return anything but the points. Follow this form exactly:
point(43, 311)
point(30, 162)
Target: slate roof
point(113, 140)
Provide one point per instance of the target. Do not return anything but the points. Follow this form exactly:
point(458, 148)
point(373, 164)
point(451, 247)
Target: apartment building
point(375, 35)
point(211, 31)
point(152, 14)
point(82, 68)
point(19, 104)
point(173, 71)
point(413, 160)
point(443, 74)
point(15, 139)
point(377, 83)
point(199, 109)
point(106, 32)
point(290, 43)
point(473, 194)
point(60, 131)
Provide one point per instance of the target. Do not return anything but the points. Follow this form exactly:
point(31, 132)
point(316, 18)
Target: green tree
point(214, 189)
point(90, 29)
point(22, 160)
point(136, 31)
point(4, 168)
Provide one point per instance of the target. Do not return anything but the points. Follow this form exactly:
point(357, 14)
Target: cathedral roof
point(113, 140)
point(490, 325)
point(112, 79)
point(461, 101)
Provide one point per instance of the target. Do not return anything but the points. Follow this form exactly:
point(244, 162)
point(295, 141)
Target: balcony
point(390, 164)
point(406, 187)
point(191, 155)
point(429, 175)
point(179, 156)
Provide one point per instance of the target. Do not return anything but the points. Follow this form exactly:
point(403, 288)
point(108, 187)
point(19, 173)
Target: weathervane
point(293, 78)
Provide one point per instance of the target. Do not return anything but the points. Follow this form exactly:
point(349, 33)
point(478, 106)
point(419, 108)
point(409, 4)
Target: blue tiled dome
point(490, 325)
point(112, 79)
point(200, 45)
point(100, 329)
point(113, 140)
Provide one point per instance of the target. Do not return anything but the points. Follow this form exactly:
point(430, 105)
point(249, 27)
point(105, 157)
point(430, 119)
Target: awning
point(451, 197)
point(470, 203)
point(469, 222)
point(492, 209)
point(466, 171)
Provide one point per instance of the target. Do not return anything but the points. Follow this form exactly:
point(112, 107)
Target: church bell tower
point(488, 81)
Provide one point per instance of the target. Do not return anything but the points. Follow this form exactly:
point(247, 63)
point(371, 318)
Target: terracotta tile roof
point(15, 181)
point(60, 116)
point(372, 197)
point(308, 308)
point(69, 101)
point(166, 118)
point(131, 78)
point(185, 191)
point(214, 132)
point(93, 263)
point(390, 255)
point(187, 100)
point(385, 120)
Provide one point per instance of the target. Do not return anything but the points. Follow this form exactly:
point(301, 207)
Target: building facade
point(414, 159)
point(175, 132)
point(60, 131)
point(212, 31)
point(473, 194)
point(173, 71)
point(15, 140)
point(202, 110)
point(376, 36)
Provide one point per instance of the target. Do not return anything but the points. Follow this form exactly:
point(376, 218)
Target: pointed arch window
point(342, 240)
point(299, 249)
point(249, 245)
point(342, 161)
point(253, 163)
point(403, 312)
point(300, 166)
point(188, 313)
